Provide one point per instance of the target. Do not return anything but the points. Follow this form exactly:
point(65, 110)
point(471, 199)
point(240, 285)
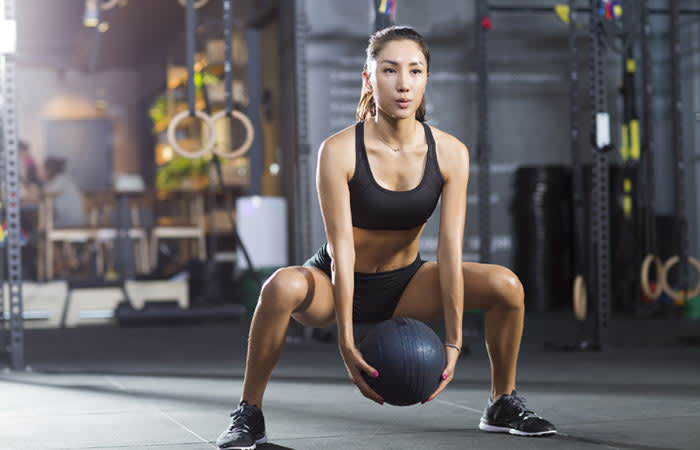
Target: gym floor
point(173, 387)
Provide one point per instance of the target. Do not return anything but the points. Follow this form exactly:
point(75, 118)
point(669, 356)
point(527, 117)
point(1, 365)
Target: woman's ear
point(366, 81)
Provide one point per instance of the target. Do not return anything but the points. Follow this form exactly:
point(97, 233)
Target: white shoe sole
point(262, 440)
point(494, 429)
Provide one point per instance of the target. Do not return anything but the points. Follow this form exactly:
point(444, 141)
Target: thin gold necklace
point(393, 149)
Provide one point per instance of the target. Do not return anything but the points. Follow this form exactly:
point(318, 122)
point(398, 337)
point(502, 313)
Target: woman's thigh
point(421, 299)
point(318, 308)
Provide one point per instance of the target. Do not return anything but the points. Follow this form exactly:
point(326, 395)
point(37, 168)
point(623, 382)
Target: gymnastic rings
point(210, 136)
point(198, 4)
point(664, 278)
point(580, 295)
point(645, 276)
point(249, 134)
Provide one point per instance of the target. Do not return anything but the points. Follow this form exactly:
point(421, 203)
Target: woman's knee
point(283, 290)
point(507, 288)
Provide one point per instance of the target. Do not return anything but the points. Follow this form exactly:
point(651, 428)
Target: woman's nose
point(401, 83)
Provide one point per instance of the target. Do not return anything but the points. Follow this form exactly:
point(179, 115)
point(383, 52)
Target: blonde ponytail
point(366, 107)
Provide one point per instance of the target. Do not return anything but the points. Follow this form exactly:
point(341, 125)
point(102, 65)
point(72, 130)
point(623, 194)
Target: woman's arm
point(455, 170)
point(333, 169)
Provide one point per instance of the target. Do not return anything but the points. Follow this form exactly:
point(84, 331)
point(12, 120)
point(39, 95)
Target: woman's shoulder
point(449, 149)
point(342, 138)
point(452, 155)
point(340, 143)
point(339, 148)
point(446, 142)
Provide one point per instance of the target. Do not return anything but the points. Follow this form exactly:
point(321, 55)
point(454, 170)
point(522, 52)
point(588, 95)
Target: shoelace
point(238, 419)
point(524, 411)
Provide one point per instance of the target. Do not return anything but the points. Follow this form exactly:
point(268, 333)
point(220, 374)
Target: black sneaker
point(510, 415)
point(246, 430)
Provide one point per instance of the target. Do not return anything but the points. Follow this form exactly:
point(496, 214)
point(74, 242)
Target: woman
point(378, 182)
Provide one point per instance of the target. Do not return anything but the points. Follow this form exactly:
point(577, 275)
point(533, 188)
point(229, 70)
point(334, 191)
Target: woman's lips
point(403, 103)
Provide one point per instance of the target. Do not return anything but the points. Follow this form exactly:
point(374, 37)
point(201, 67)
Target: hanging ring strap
point(580, 295)
point(228, 110)
point(198, 4)
point(190, 47)
point(228, 51)
point(249, 134)
point(645, 276)
point(664, 278)
point(210, 135)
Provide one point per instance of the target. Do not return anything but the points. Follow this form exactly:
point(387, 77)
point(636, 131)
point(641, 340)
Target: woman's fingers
point(366, 368)
point(366, 390)
point(360, 382)
point(447, 374)
point(355, 365)
point(446, 378)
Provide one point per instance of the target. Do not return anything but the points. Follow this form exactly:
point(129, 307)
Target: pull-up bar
point(530, 9)
point(548, 9)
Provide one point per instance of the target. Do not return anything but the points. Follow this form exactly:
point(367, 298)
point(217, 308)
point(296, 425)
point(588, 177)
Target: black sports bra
point(376, 208)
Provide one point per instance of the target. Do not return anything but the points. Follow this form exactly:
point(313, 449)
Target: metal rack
point(483, 144)
point(304, 193)
point(9, 184)
point(681, 242)
point(598, 256)
point(598, 259)
point(648, 136)
point(599, 263)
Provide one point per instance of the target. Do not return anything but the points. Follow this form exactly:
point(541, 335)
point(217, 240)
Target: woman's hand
point(452, 354)
point(355, 363)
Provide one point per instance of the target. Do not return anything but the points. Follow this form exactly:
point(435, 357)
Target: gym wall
point(528, 95)
point(528, 98)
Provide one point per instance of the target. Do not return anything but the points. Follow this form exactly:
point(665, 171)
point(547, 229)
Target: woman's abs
point(383, 250)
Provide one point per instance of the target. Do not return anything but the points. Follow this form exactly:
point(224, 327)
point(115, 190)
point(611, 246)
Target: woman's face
point(398, 79)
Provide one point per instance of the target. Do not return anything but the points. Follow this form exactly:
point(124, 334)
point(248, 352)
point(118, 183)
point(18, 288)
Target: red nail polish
point(375, 374)
point(444, 376)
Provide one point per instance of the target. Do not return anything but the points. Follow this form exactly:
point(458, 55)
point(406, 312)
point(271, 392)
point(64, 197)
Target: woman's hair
point(377, 42)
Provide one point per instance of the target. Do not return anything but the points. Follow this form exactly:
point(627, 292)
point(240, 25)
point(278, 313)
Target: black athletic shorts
point(376, 294)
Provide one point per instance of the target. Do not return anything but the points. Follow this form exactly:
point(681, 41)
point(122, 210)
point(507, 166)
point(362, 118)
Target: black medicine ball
point(410, 359)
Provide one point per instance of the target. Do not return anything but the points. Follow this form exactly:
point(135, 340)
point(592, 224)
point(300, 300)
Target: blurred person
point(68, 205)
point(30, 178)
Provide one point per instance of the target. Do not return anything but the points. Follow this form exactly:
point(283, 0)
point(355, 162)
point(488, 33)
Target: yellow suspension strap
point(628, 254)
point(630, 142)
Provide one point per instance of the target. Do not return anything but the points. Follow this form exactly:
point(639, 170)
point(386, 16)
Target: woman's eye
point(388, 70)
